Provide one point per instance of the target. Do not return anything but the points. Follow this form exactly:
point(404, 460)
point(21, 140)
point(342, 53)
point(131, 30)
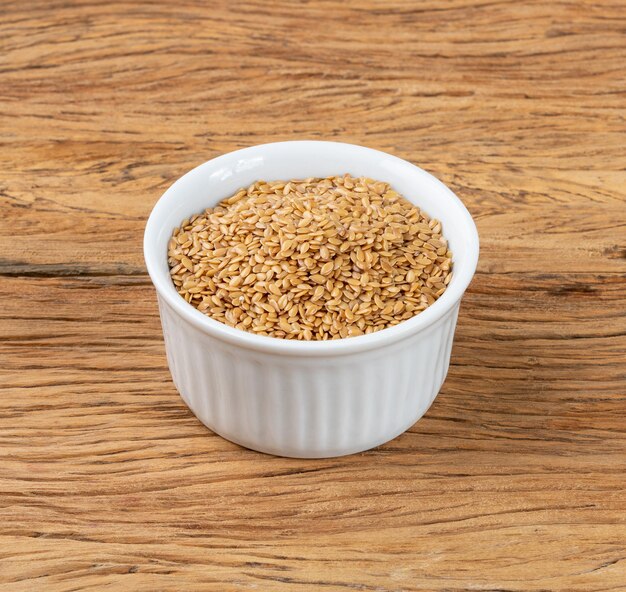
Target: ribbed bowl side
point(307, 406)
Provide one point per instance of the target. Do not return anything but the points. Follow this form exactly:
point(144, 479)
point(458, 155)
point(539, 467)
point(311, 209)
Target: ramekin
point(318, 398)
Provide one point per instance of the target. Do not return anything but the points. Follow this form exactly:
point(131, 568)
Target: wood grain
point(514, 480)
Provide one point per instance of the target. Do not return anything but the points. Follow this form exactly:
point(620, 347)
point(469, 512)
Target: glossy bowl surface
point(315, 398)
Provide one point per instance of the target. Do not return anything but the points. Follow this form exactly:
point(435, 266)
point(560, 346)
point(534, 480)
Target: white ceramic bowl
point(316, 398)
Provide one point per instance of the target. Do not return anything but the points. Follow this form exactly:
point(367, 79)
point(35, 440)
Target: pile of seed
point(311, 259)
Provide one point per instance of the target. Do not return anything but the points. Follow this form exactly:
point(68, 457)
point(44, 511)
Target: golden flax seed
point(311, 259)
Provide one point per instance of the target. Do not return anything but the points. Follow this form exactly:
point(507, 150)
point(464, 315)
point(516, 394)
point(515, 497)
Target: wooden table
point(514, 480)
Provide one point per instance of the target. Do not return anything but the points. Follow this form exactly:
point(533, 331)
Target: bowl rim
point(349, 345)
